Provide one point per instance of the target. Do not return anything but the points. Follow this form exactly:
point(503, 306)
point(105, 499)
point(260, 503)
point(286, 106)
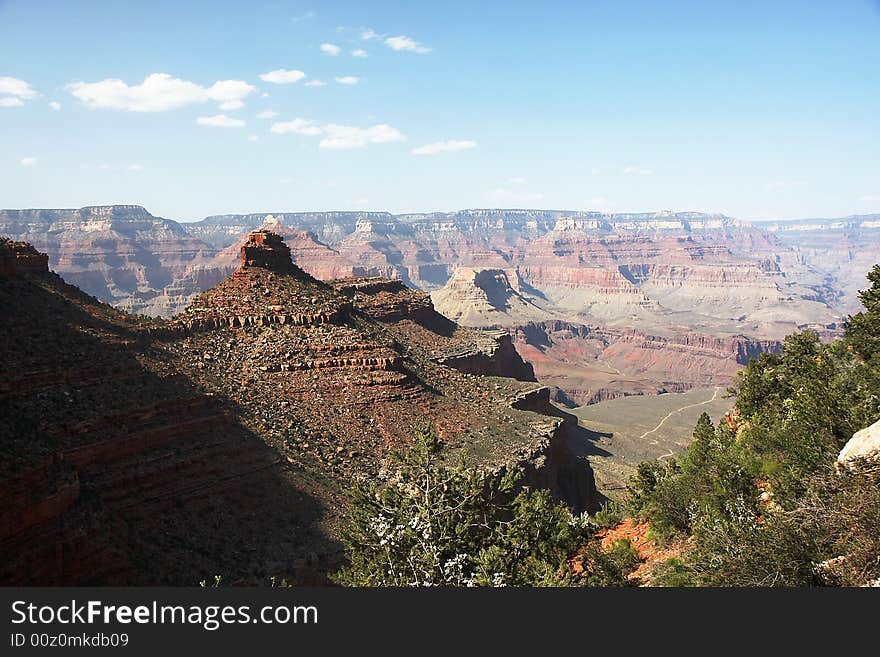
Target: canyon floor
point(620, 433)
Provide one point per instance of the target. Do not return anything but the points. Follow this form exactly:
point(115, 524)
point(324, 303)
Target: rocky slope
point(116, 468)
point(152, 451)
point(411, 315)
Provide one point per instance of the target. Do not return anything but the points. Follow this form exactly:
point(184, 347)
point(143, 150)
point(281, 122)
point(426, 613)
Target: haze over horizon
point(758, 112)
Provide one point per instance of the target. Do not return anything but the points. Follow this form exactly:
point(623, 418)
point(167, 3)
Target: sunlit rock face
point(121, 254)
point(617, 268)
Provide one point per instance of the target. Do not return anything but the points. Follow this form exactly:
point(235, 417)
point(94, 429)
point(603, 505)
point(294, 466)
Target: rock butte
point(149, 451)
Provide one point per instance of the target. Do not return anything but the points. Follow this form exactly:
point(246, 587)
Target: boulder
point(863, 444)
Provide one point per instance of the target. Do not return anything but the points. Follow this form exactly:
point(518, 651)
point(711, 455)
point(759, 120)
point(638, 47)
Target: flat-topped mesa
point(21, 258)
point(266, 249)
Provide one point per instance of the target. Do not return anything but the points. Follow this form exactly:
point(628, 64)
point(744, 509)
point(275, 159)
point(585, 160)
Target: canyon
point(177, 393)
point(139, 450)
point(602, 305)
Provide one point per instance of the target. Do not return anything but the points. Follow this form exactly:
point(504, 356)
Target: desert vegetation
point(437, 522)
point(760, 495)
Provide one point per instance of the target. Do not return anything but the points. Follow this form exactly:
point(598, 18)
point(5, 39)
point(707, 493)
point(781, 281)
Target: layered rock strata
point(588, 364)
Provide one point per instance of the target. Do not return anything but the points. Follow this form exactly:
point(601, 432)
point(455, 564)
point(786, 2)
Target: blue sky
point(755, 109)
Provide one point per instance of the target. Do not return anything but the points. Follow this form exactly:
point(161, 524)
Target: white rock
point(864, 443)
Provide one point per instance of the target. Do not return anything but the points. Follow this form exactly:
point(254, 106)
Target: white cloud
point(267, 114)
point(316, 83)
point(405, 43)
point(220, 121)
point(359, 52)
point(367, 34)
point(55, 105)
point(514, 196)
point(330, 49)
point(444, 147)
point(134, 167)
point(253, 138)
point(347, 79)
point(159, 92)
point(517, 181)
point(339, 137)
point(15, 87)
point(298, 126)
point(282, 76)
point(633, 170)
point(230, 92)
point(359, 203)
point(28, 161)
point(13, 92)
point(871, 198)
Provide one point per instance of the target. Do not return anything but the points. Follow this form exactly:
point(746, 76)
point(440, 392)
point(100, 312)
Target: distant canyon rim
point(601, 305)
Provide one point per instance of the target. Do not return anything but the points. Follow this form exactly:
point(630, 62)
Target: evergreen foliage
point(436, 524)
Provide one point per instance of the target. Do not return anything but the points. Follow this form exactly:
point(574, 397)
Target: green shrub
point(435, 524)
point(609, 568)
point(610, 515)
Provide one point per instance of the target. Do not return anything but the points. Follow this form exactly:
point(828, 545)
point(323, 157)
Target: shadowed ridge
point(20, 257)
point(117, 468)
